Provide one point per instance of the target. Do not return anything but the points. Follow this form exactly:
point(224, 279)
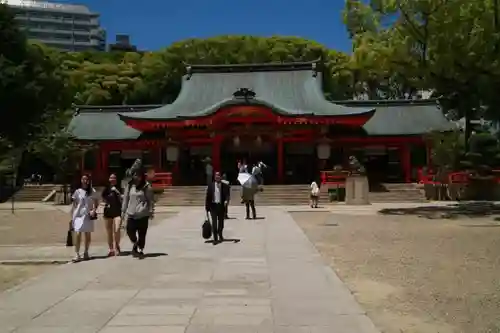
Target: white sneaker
point(77, 258)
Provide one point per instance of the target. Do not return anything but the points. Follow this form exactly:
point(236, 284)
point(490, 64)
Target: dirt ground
point(32, 227)
point(415, 275)
point(12, 275)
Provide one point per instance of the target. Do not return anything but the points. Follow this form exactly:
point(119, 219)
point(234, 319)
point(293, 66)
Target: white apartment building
point(64, 26)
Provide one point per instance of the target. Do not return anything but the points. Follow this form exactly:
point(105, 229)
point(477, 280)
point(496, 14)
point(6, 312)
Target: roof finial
point(244, 93)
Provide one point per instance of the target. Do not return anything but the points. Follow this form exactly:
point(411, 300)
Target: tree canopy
point(449, 47)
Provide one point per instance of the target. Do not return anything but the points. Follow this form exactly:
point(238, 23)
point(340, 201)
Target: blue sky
point(153, 24)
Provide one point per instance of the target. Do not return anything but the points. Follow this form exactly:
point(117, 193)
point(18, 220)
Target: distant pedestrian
point(248, 197)
point(83, 214)
point(138, 209)
point(112, 196)
point(242, 167)
point(314, 194)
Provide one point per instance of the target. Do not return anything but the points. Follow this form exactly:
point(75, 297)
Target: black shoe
point(140, 254)
point(134, 251)
point(221, 239)
point(247, 218)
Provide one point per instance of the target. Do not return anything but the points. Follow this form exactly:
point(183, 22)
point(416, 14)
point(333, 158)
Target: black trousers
point(137, 230)
point(250, 204)
point(217, 213)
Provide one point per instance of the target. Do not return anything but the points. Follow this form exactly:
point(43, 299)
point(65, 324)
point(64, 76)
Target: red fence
point(160, 179)
point(334, 178)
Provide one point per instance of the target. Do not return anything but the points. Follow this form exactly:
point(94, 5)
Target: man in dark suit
point(216, 198)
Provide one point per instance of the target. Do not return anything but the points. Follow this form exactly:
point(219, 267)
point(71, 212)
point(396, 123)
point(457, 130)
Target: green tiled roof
point(289, 89)
point(97, 123)
point(404, 117)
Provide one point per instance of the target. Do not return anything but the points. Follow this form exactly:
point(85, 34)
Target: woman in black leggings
point(138, 209)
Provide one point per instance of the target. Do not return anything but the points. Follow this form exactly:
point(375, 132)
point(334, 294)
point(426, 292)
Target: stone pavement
point(273, 280)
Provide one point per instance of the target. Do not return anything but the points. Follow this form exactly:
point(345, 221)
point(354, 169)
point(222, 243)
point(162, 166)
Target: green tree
point(450, 47)
point(31, 82)
point(155, 77)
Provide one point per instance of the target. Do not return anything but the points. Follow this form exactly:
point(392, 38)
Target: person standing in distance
point(216, 199)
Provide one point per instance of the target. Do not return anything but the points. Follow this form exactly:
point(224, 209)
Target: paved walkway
point(273, 280)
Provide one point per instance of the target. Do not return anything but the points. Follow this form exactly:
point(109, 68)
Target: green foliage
point(155, 77)
point(450, 47)
point(31, 83)
point(483, 156)
point(447, 150)
point(56, 146)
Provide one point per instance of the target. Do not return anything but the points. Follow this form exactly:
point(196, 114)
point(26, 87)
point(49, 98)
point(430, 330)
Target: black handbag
point(206, 228)
point(69, 235)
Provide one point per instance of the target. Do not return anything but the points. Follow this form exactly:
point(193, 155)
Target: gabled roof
point(404, 117)
point(103, 123)
point(292, 89)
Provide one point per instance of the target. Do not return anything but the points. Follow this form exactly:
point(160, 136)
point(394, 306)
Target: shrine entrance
point(251, 149)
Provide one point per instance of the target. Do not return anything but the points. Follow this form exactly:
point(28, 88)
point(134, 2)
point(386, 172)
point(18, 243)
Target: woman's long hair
point(109, 186)
point(143, 182)
point(89, 188)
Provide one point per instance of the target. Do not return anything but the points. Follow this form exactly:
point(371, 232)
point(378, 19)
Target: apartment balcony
point(54, 31)
point(57, 20)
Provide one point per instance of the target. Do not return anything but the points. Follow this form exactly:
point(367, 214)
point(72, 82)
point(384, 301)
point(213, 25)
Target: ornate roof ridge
point(263, 67)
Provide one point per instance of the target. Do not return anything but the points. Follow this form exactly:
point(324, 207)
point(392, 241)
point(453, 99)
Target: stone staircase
point(276, 195)
point(33, 193)
point(273, 195)
point(398, 193)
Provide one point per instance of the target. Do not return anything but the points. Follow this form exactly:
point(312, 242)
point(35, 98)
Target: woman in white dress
point(83, 215)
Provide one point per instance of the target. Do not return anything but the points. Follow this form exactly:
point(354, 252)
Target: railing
point(334, 178)
point(161, 179)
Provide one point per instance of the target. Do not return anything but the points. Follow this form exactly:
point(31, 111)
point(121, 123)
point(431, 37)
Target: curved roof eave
point(148, 115)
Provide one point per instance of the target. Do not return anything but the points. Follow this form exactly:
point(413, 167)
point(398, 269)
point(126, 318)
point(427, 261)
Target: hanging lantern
point(258, 141)
point(172, 153)
point(236, 141)
point(323, 151)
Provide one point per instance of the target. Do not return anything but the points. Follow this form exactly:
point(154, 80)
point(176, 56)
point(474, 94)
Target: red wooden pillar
point(216, 145)
point(406, 163)
point(281, 162)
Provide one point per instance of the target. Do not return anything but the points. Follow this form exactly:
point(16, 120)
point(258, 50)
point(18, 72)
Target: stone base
point(357, 190)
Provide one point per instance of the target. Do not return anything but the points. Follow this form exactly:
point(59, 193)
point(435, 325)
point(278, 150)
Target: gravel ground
point(34, 227)
point(415, 275)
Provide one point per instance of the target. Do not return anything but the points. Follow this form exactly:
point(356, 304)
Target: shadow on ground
point(146, 255)
point(466, 209)
point(225, 240)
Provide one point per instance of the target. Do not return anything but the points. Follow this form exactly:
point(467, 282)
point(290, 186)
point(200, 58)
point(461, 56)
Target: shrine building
point(275, 113)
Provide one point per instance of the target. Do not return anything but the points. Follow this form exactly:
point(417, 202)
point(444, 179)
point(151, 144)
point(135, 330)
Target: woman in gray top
point(137, 209)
